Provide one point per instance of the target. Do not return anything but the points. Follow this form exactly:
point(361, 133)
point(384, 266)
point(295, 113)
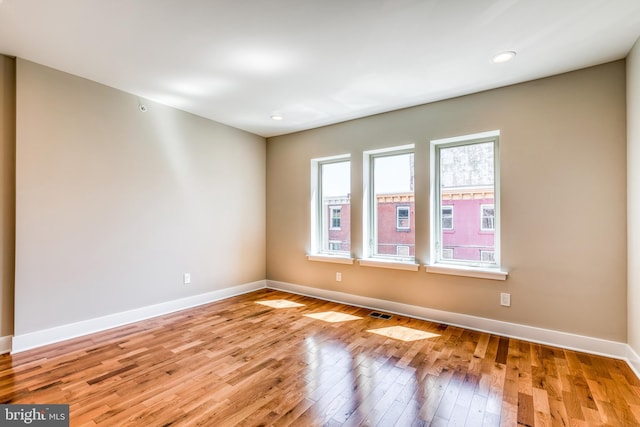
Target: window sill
point(384, 263)
point(338, 259)
point(458, 270)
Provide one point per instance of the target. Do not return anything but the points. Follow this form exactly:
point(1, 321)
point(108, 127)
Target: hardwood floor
point(237, 362)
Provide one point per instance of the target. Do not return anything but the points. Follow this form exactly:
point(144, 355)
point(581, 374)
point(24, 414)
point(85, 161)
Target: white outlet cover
point(505, 299)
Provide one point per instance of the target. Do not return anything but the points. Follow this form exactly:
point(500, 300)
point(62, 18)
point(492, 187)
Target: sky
point(392, 174)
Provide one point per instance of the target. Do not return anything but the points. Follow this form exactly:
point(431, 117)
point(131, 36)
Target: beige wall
point(114, 205)
point(7, 190)
point(563, 178)
point(633, 194)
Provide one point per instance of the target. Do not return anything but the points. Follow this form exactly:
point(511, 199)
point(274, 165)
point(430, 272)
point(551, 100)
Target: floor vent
point(380, 315)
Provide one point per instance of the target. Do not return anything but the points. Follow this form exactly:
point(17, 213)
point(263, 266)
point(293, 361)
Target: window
point(331, 206)
point(402, 251)
point(464, 178)
point(402, 218)
point(335, 217)
point(447, 217)
point(389, 231)
point(447, 253)
point(487, 256)
point(487, 216)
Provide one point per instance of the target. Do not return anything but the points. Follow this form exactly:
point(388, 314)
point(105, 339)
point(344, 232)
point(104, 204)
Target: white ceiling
point(316, 62)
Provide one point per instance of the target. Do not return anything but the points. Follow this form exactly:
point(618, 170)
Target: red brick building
point(468, 229)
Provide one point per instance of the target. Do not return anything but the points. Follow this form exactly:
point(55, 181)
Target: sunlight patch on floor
point(403, 333)
point(280, 303)
point(333, 316)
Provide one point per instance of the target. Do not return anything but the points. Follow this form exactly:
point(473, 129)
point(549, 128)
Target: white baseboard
point(617, 350)
point(60, 333)
point(633, 360)
point(5, 344)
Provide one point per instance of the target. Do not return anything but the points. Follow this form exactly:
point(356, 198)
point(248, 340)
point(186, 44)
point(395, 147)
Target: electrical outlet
point(186, 278)
point(505, 300)
point(338, 277)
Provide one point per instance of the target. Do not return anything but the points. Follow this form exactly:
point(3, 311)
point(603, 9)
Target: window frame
point(463, 267)
point(316, 250)
point(369, 229)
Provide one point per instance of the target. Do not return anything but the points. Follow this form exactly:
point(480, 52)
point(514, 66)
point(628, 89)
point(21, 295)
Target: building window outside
point(447, 253)
point(465, 173)
point(334, 246)
point(388, 223)
point(403, 251)
point(447, 217)
point(487, 216)
point(335, 217)
point(331, 205)
point(487, 256)
point(402, 218)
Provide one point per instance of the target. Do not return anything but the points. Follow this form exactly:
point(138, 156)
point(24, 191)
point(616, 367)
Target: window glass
point(336, 202)
point(465, 176)
point(331, 205)
point(393, 205)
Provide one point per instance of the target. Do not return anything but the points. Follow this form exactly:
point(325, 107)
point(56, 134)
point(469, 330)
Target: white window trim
point(337, 259)
point(315, 251)
point(408, 227)
point(466, 271)
point(389, 263)
point(438, 265)
point(368, 220)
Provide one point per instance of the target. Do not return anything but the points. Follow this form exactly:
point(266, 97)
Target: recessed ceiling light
point(504, 57)
point(277, 117)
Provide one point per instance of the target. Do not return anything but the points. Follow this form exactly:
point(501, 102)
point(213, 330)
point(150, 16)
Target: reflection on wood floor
point(237, 362)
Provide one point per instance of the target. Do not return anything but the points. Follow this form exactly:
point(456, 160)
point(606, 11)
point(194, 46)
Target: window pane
point(335, 217)
point(447, 217)
point(467, 185)
point(402, 218)
point(403, 251)
point(487, 256)
point(394, 206)
point(487, 218)
point(336, 204)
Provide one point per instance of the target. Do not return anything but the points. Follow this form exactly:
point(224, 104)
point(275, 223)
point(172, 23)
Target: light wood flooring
point(237, 362)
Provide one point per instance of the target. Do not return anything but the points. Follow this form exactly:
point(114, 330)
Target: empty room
point(320, 213)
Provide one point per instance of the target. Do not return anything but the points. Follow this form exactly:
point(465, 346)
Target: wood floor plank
point(237, 362)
